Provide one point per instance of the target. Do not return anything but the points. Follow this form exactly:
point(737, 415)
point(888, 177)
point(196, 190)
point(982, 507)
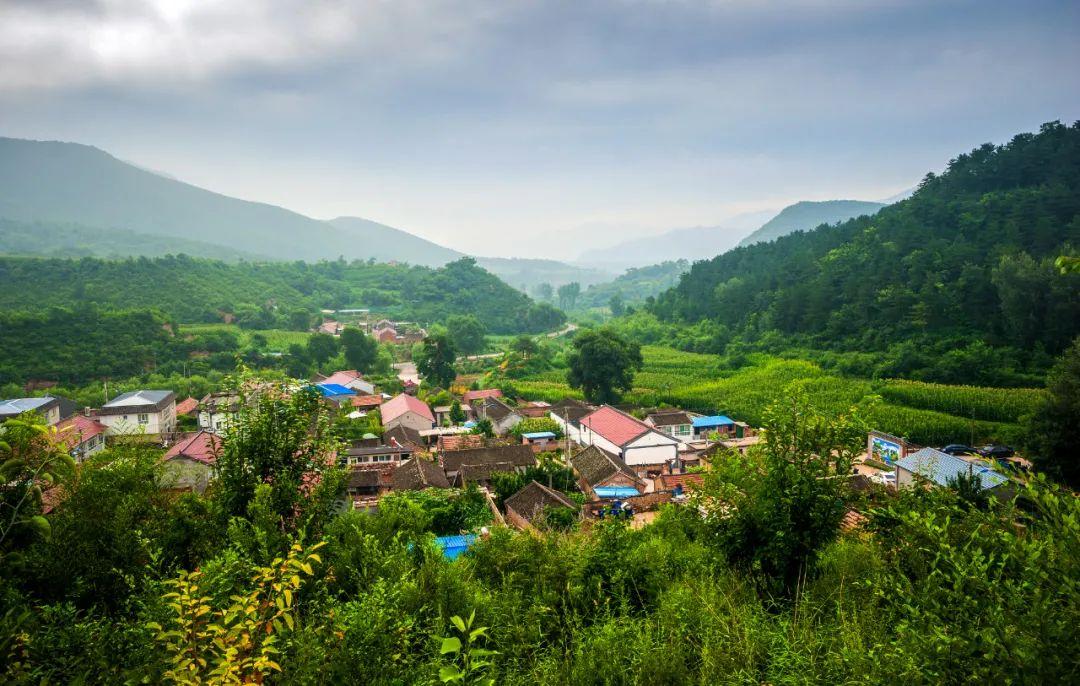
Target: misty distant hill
point(695, 243)
point(808, 215)
point(87, 202)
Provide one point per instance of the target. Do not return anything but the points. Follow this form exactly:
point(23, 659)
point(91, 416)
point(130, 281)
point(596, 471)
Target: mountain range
point(68, 199)
point(808, 215)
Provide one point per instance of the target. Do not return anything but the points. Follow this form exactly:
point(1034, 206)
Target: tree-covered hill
point(968, 258)
point(193, 290)
point(637, 284)
point(807, 216)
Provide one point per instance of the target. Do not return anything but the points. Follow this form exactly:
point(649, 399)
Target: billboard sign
point(885, 451)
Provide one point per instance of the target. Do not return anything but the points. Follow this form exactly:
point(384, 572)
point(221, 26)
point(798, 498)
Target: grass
point(277, 340)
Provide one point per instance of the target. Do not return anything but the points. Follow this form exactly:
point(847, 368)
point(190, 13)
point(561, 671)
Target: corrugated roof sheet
point(941, 467)
point(329, 389)
point(714, 420)
point(615, 492)
point(533, 435)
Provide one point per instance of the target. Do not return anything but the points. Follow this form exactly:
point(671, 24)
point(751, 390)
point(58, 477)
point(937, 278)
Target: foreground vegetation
point(261, 581)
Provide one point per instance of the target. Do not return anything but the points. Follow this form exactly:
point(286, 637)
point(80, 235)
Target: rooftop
point(77, 429)
point(595, 465)
point(669, 418)
point(518, 455)
point(133, 400)
point(329, 389)
point(941, 467)
point(418, 474)
point(531, 501)
point(16, 406)
point(201, 446)
point(713, 420)
point(477, 395)
point(402, 404)
point(615, 425)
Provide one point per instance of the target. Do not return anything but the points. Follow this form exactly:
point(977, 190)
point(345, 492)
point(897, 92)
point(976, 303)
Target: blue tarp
point(615, 491)
point(454, 546)
point(538, 434)
point(715, 420)
point(329, 389)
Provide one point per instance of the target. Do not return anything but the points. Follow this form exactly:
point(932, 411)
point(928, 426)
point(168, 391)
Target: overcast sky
point(537, 128)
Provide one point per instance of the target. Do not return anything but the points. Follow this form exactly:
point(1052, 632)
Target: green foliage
point(469, 663)
point(466, 332)
point(1052, 429)
point(967, 262)
point(435, 359)
point(444, 512)
point(535, 424)
point(457, 415)
point(602, 364)
point(484, 427)
point(361, 350)
point(568, 295)
point(31, 462)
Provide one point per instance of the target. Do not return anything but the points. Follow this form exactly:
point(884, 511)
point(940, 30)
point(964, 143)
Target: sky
point(538, 129)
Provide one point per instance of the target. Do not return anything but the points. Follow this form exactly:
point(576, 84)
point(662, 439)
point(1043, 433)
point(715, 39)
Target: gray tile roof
point(941, 467)
point(595, 465)
point(476, 473)
point(135, 401)
point(531, 501)
point(517, 455)
point(16, 406)
point(668, 418)
point(418, 474)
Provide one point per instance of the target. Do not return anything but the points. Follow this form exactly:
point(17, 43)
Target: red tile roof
point(77, 429)
point(186, 406)
point(617, 427)
point(343, 377)
point(400, 404)
point(201, 446)
point(477, 395)
point(460, 442)
point(366, 400)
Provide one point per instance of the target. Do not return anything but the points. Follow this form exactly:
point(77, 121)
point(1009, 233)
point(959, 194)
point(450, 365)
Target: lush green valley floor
point(923, 412)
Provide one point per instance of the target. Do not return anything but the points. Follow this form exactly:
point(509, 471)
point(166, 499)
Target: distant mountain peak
point(807, 215)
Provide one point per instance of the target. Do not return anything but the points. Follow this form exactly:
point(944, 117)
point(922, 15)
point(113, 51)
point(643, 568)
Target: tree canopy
point(602, 364)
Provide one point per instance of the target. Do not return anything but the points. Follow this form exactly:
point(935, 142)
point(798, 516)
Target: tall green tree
point(435, 359)
point(31, 462)
point(544, 292)
point(321, 347)
point(568, 294)
point(602, 364)
point(467, 333)
point(617, 305)
point(1053, 431)
point(361, 351)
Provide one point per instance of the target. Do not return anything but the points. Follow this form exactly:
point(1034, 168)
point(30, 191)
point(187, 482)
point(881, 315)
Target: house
point(335, 393)
point(534, 409)
point(471, 396)
point(148, 412)
point(639, 445)
point(366, 485)
point(940, 468)
point(351, 379)
point(387, 335)
point(81, 436)
point(717, 423)
point(218, 411)
point(331, 327)
point(48, 407)
point(418, 474)
point(540, 441)
point(358, 456)
point(528, 505)
point(887, 449)
point(679, 483)
point(483, 461)
point(366, 403)
point(404, 436)
point(406, 410)
point(186, 407)
point(502, 416)
point(189, 463)
point(598, 469)
point(675, 423)
point(448, 443)
point(568, 414)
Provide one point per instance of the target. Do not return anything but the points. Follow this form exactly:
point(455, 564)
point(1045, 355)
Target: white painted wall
point(411, 420)
point(140, 422)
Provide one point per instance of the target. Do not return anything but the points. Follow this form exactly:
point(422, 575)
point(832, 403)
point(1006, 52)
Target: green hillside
point(807, 216)
point(960, 276)
point(199, 290)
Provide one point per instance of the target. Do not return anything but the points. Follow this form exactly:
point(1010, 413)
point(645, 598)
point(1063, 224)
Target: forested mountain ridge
point(967, 259)
point(808, 215)
point(198, 290)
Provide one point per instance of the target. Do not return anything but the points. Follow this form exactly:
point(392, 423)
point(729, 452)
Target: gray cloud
point(496, 123)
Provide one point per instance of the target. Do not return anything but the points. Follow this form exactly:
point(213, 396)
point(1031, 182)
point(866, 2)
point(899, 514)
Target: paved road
point(407, 372)
point(569, 328)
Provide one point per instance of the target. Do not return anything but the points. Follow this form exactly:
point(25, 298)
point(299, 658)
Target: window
point(144, 419)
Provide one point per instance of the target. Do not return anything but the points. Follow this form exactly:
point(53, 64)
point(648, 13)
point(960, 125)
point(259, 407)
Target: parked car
point(958, 449)
point(996, 452)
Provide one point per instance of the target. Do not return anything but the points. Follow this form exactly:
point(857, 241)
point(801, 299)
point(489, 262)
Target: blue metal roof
point(615, 491)
point(329, 389)
point(715, 420)
point(940, 467)
point(454, 546)
point(539, 434)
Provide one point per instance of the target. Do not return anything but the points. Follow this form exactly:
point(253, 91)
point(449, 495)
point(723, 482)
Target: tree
point(321, 347)
point(435, 359)
point(602, 364)
point(1053, 430)
point(457, 415)
point(361, 350)
point(31, 462)
point(484, 427)
point(534, 424)
point(299, 320)
point(298, 361)
point(525, 345)
point(617, 305)
point(466, 332)
point(568, 294)
point(544, 292)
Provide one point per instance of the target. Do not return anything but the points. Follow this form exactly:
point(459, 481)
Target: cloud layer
point(495, 125)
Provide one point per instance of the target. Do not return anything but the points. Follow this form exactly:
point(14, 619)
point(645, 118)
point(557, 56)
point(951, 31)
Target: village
point(625, 461)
